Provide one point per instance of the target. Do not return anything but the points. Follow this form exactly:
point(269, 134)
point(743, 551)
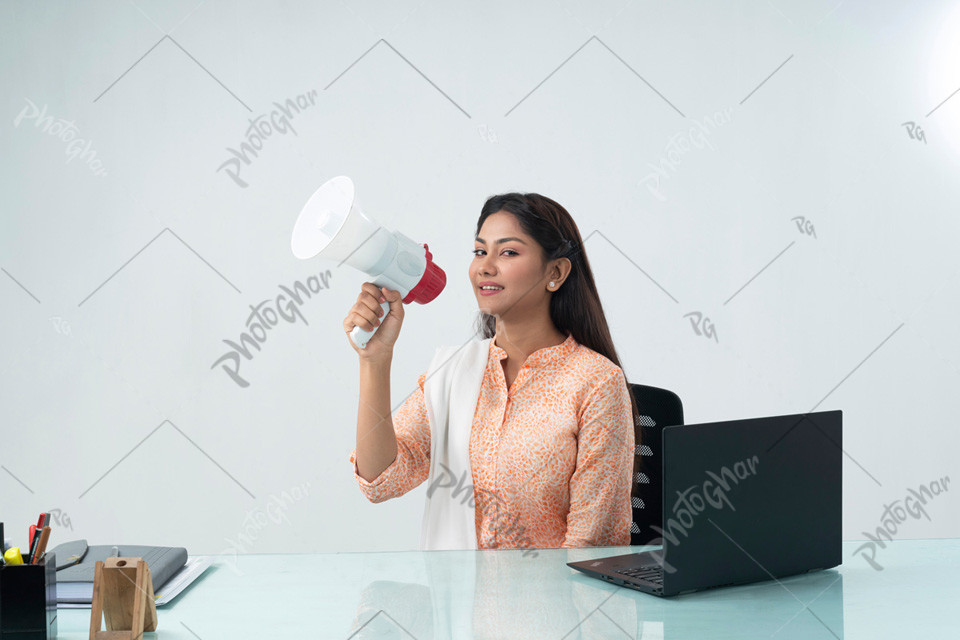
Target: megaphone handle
point(361, 336)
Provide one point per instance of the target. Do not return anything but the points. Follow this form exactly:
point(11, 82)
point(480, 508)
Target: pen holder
point(28, 600)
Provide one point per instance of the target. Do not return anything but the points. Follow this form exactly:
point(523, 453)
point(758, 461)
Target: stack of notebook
point(170, 569)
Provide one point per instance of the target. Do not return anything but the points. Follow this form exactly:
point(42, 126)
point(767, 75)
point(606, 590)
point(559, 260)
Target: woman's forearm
point(376, 440)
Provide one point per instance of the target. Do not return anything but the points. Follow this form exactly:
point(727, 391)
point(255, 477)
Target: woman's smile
point(489, 288)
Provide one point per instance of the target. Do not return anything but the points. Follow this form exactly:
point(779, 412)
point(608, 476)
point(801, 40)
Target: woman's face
point(507, 258)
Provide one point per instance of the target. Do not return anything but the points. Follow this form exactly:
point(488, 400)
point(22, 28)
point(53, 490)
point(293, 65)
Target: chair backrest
point(658, 408)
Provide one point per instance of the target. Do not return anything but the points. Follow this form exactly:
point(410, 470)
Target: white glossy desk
point(502, 594)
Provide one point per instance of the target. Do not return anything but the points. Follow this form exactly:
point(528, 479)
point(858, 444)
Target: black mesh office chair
point(658, 408)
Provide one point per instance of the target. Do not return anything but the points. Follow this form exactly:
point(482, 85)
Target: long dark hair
point(575, 307)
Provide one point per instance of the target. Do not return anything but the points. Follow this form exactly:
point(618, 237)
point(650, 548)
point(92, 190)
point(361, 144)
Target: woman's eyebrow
point(501, 240)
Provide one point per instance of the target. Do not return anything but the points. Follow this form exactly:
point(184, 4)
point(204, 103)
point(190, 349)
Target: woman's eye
point(477, 252)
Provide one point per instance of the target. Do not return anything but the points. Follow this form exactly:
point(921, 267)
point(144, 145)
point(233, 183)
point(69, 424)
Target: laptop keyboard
point(649, 573)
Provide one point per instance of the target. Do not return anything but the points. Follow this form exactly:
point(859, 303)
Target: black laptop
point(743, 501)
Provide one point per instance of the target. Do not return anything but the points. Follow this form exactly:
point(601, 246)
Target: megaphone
point(332, 225)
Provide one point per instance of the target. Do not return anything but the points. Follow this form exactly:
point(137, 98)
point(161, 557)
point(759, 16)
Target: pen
point(32, 547)
point(34, 529)
point(41, 546)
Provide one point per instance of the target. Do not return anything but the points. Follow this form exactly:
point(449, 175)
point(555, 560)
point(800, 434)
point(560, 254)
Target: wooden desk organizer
point(123, 596)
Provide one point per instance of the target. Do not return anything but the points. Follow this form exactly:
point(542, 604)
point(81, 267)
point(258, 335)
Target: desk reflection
point(501, 594)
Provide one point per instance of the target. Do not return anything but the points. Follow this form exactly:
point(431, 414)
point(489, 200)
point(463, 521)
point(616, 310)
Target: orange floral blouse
point(551, 457)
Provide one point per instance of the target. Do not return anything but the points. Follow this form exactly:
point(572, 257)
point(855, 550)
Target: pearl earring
point(552, 284)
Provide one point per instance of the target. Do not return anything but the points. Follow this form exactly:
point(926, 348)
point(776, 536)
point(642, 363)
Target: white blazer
point(451, 391)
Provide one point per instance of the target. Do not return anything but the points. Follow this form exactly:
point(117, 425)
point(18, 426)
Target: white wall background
point(124, 272)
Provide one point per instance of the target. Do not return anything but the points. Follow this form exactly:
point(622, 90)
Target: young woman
point(527, 435)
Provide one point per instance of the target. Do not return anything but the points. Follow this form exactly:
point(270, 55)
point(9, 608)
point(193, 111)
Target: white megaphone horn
point(331, 225)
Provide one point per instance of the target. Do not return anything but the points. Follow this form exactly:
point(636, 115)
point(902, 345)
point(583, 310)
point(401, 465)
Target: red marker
point(41, 546)
point(34, 528)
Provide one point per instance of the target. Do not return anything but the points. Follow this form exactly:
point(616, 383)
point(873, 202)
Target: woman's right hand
point(365, 313)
